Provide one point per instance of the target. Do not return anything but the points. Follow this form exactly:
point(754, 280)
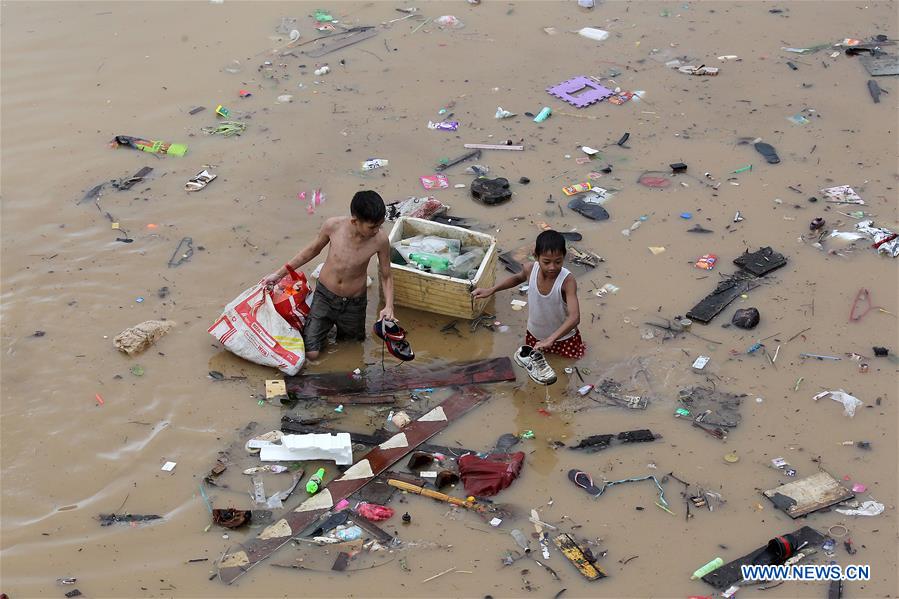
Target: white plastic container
point(585, 3)
point(592, 33)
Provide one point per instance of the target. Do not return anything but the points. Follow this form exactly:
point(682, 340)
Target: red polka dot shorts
point(573, 347)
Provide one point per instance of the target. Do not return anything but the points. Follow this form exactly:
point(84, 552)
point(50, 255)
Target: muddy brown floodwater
point(77, 73)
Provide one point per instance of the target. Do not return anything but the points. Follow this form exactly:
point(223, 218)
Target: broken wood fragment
point(576, 556)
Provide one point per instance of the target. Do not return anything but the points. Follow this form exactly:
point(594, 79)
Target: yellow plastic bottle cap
point(731, 458)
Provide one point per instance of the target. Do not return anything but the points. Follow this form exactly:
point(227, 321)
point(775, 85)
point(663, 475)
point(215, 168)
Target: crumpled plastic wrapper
point(850, 403)
point(867, 508)
point(878, 234)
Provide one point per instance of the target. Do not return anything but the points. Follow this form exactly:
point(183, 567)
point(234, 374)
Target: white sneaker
point(534, 362)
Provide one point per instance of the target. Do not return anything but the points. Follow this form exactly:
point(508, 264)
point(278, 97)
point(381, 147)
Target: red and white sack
point(251, 328)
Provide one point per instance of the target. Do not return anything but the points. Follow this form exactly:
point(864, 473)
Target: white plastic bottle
point(594, 34)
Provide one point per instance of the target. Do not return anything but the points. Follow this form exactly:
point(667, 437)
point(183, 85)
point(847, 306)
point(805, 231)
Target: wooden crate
point(441, 293)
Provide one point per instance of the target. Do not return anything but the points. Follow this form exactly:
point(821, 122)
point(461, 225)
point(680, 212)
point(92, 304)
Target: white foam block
point(337, 447)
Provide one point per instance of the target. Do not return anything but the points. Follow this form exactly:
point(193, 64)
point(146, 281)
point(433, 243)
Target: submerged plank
point(377, 382)
point(238, 559)
point(730, 573)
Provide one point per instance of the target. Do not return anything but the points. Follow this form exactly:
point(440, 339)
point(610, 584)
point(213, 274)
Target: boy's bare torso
point(346, 266)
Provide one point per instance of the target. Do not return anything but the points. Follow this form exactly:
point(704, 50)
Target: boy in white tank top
point(553, 308)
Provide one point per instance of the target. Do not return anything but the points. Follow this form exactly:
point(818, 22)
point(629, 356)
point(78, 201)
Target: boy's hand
point(481, 293)
point(269, 281)
point(387, 314)
point(544, 345)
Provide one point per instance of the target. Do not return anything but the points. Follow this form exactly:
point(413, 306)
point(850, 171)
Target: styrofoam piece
point(312, 446)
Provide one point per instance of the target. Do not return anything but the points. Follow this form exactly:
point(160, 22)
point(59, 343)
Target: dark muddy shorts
point(328, 309)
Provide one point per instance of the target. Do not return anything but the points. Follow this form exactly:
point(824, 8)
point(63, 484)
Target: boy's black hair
point(368, 207)
point(550, 242)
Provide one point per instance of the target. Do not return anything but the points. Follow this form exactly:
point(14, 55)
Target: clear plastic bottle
point(521, 540)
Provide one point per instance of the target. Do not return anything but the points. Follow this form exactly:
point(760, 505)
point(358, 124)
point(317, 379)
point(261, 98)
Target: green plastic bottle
point(430, 261)
point(708, 568)
point(314, 483)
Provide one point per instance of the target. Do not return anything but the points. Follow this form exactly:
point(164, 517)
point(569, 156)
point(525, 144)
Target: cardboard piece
point(809, 494)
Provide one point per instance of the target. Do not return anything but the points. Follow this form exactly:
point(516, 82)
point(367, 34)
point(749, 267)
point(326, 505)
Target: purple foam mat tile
point(594, 94)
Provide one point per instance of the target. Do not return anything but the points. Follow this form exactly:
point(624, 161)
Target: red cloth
point(485, 477)
point(573, 347)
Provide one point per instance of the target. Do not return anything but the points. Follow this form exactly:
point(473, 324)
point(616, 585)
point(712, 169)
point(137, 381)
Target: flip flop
point(572, 235)
point(584, 481)
point(394, 337)
point(390, 331)
point(199, 181)
point(768, 151)
point(591, 210)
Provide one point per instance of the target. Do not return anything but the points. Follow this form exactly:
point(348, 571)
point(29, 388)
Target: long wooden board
point(730, 573)
point(239, 559)
point(377, 382)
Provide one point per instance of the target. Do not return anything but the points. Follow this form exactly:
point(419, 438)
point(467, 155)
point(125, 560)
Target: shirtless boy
point(340, 295)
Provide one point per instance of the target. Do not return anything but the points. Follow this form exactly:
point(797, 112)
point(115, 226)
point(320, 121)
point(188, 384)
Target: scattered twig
point(799, 333)
point(447, 571)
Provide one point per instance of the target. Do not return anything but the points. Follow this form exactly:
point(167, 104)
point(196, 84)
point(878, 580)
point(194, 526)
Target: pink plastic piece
point(374, 512)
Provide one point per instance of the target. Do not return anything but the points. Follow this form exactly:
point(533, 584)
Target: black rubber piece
point(768, 151)
point(491, 191)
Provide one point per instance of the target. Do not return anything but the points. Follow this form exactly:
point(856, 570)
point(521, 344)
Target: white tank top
point(546, 313)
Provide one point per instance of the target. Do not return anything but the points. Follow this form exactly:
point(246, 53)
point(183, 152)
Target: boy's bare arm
point(386, 278)
point(306, 254)
point(507, 283)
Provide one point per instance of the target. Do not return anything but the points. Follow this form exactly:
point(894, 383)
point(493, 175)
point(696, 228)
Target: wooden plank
point(357, 400)
point(576, 556)
point(338, 41)
point(241, 558)
point(378, 533)
point(377, 382)
point(880, 66)
point(809, 494)
point(493, 147)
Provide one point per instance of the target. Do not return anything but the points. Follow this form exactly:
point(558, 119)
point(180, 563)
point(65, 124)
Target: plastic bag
point(349, 534)
point(374, 512)
point(251, 328)
point(850, 403)
point(433, 244)
point(487, 477)
point(465, 263)
point(449, 21)
point(293, 298)
point(867, 508)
